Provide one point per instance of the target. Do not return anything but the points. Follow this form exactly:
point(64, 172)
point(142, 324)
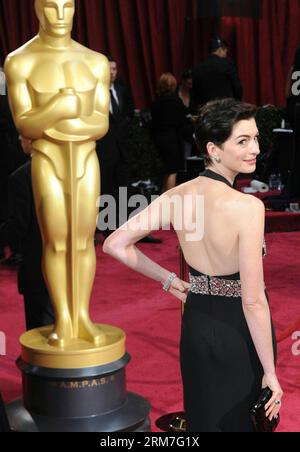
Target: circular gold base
point(78, 354)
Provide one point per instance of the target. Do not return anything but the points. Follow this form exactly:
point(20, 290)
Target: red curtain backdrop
point(148, 37)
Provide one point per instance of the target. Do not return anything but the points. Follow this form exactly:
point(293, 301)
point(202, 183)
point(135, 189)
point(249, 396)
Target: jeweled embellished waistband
point(206, 285)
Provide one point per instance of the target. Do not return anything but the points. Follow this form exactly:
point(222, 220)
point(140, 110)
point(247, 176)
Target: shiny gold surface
point(59, 96)
point(77, 355)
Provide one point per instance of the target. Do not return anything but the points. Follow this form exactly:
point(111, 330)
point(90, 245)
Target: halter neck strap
point(212, 175)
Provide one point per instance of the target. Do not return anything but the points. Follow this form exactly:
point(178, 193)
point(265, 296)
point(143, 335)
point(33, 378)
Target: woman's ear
point(213, 152)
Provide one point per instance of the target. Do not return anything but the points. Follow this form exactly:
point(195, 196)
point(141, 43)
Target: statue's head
point(55, 16)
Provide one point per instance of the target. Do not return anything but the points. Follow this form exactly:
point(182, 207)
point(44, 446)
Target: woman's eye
point(243, 142)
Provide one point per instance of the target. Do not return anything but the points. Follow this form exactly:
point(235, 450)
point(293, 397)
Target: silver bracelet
point(169, 281)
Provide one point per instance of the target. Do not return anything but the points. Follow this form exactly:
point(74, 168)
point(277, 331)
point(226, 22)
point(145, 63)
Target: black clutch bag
point(261, 423)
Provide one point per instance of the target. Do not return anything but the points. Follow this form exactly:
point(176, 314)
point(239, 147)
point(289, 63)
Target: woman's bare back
point(216, 253)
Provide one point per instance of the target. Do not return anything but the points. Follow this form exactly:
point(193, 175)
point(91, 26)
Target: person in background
point(217, 76)
point(2, 128)
point(112, 149)
point(185, 90)
point(169, 125)
point(293, 114)
point(185, 93)
point(21, 229)
point(122, 104)
point(11, 158)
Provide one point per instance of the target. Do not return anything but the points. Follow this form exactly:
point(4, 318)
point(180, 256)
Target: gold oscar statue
point(73, 374)
point(59, 97)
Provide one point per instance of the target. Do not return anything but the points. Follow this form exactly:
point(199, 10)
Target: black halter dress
point(222, 374)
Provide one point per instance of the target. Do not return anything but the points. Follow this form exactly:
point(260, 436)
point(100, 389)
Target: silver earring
point(217, 159)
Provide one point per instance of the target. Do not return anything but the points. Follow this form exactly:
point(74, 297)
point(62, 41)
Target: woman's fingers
point(273, 413)
point(186, 285)
point(182, 296)
point(273, 406)
point(270, 403)
point(180, 285)
point(180, 289)
point(275, 400)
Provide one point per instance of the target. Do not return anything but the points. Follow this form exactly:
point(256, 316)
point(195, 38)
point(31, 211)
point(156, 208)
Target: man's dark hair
point(217, 120)
point(217, 43)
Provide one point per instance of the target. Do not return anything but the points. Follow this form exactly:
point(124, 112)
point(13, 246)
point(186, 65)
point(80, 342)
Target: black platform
point(78, 400)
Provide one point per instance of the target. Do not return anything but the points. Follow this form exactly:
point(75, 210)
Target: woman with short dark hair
point(216, 122)
point(228, 346)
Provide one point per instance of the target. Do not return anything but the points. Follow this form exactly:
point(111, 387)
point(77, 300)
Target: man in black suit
point(112, 149)
point(4, 125)
point(216, 77)
point(11, 154)
point(21, 229)
point(121, 105)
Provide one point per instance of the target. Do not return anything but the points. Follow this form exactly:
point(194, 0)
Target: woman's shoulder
point(247, 207)
point(241, 200)
point(186, 188)
point(250, 201)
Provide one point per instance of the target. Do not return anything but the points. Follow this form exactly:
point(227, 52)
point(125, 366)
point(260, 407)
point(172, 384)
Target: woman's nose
point(255, 149)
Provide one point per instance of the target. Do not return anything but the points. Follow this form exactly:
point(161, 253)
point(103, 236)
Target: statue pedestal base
point(86, 399)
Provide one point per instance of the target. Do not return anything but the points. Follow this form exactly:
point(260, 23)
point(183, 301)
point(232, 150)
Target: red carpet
point(151, 320)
